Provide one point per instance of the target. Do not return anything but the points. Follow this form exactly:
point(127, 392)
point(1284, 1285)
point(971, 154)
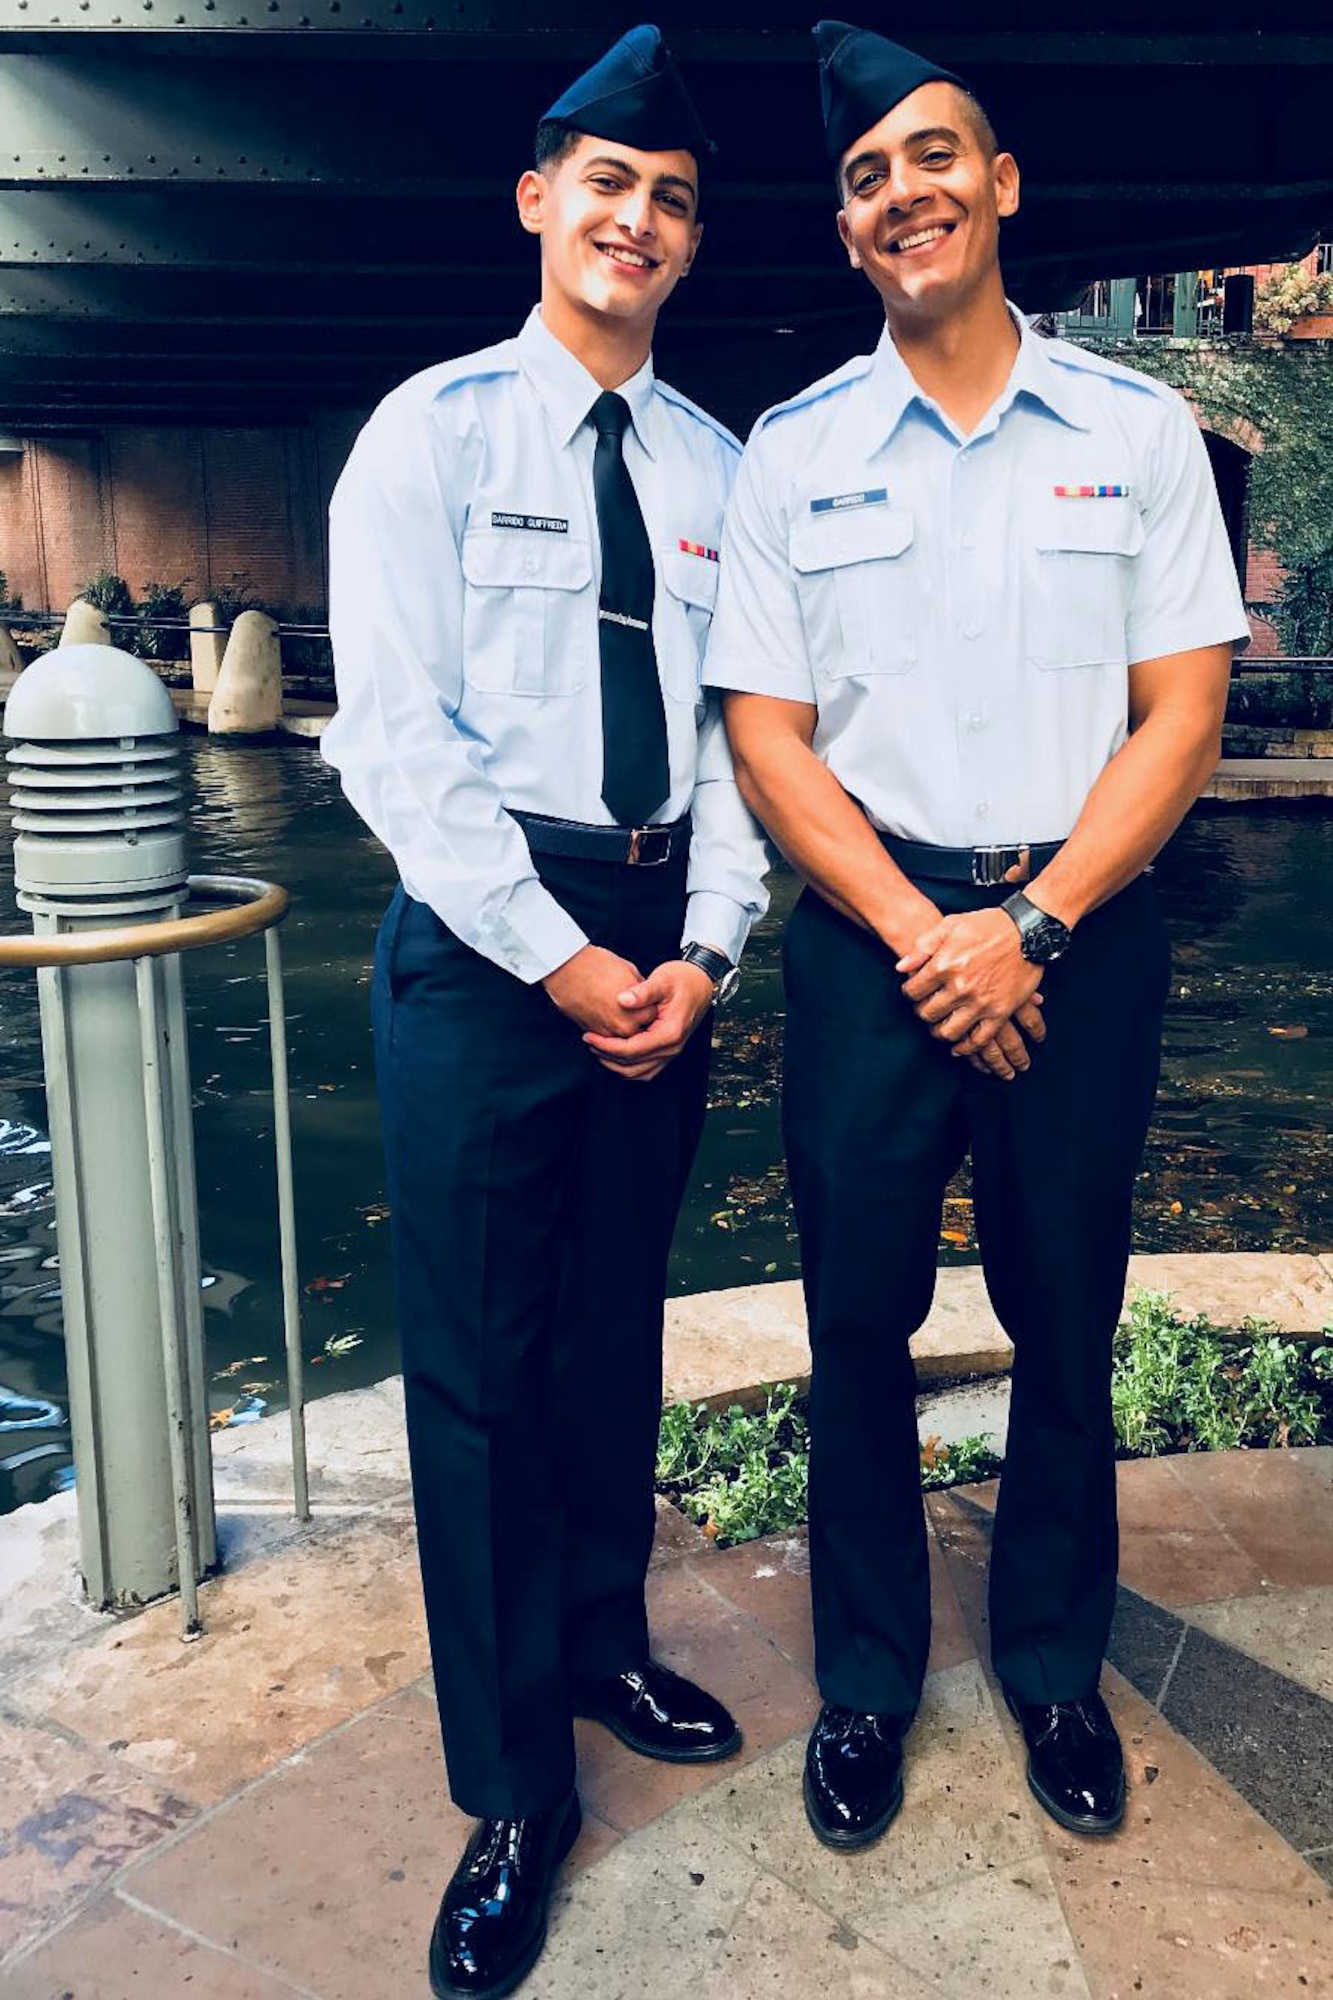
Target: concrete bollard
point(85, 625)
point(248, 697)
point(11, 660)
point(206, 648)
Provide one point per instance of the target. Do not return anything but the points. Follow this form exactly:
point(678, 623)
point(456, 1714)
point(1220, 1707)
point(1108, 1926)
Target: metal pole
point(80, 1359)
point(291, 1287)
point(181, 1127)
point(174, 1361)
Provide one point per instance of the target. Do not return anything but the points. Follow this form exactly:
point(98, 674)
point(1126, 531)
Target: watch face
point(1048, 941)
point(726, 986)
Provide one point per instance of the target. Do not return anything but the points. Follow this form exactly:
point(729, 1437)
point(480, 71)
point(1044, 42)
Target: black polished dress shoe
point(1075, 1768)
point(661, 1715)
point(853, 1782)
point(492, 1922)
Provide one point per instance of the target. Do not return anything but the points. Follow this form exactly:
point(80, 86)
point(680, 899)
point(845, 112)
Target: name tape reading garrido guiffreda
point(545, 524)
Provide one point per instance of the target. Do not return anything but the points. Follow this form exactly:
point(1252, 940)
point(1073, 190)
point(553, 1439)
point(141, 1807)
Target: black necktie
point(635, 778)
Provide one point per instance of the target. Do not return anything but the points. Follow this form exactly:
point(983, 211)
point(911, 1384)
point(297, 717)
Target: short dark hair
point(555, 141)
point(982, 131)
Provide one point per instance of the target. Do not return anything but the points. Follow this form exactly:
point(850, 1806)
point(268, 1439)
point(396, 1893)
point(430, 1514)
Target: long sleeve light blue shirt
point(464, 576)
point(963, 610)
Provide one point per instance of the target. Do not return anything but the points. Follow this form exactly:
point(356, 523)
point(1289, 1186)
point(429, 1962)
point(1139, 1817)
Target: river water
point(1239, 1156)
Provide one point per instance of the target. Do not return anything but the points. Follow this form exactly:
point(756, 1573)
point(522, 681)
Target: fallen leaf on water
point(328, 1284)
point(219, 1419)
point(1296, 1034)
point(710, 1530)
point(1176, 1208)
point(954, 1236)
point(342, 1343)
point(933, 1449)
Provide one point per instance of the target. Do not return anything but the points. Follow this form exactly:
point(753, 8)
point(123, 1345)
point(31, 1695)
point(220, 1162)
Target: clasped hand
point(970, 984)
point(634, 1026)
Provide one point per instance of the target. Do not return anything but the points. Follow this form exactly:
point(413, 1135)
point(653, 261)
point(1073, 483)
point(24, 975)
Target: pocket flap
point(866, 535)
point(693, 578)
point(497, 559)
point(1112, 527)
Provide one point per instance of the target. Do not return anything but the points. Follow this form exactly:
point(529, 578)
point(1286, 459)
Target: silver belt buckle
point(993, 867)
point(641, 855)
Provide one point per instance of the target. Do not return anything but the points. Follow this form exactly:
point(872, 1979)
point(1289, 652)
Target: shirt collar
point(567, 391)
point(893, 388)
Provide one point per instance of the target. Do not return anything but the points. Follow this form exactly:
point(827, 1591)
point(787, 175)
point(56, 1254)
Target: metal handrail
point(266, 904)
point(252, 906)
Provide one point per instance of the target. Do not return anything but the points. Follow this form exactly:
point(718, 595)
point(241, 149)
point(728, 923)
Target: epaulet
point(827, 385)
point(1087, 361)
point(673, 396)
point(430, 384)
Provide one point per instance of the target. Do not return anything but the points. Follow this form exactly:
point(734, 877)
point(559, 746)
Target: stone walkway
point(261, 1813)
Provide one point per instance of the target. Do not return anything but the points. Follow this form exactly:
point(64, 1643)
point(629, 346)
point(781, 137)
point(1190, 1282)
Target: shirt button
point(983, 809)
point(972, 630)
point(968, 541)
point(531, 565)
point(976, 721)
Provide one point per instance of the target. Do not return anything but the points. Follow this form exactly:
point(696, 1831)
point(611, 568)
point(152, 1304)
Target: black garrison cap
point(862, 76)
point(634, 94)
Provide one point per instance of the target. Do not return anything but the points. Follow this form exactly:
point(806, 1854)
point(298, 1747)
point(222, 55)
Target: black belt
point(632, 846)
point(983, 867)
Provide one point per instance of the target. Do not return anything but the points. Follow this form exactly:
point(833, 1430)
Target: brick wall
point(199, 508)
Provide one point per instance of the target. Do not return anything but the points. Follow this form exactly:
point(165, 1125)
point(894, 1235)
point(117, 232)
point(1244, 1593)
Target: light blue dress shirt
point(962, 615)
point(464, 573)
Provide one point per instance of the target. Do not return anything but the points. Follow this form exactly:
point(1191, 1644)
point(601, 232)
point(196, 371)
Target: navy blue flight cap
point(635, 94)
point(862, 76)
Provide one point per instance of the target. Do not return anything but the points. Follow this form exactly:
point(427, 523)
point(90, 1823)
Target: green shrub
point(109, 593)
point(740, 1474)
point(1181, 1384)
point(229, 600)
point(162, 600)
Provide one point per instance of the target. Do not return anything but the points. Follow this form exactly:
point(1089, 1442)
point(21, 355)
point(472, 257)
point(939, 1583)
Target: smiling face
point(923, 193)
point(619, 228)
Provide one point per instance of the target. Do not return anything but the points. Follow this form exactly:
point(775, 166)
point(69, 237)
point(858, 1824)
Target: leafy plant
point(1304, 613)
point(957, 1464)
point(230, 599)
point(1181, 1384)
point(161, 601)
point(310, 657)
point(741, 1474)
point(1290, 296)
point(109, 593)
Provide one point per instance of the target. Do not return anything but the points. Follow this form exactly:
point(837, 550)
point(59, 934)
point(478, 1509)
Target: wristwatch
point(1042, 937)
point(724, 975)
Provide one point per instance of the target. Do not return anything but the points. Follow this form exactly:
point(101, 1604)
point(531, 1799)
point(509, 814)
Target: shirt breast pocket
point(855, 577)
point(521, 629)
point(1084, 554)
point(691, 594)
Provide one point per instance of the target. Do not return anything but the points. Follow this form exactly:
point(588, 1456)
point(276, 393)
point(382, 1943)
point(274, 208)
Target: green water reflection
point(1239, 1157)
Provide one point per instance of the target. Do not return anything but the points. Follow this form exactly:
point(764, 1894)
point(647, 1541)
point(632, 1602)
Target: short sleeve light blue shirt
point(964, 610)
point(463, 596)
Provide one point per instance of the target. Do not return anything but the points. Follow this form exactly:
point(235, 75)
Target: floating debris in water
point(342, 1343)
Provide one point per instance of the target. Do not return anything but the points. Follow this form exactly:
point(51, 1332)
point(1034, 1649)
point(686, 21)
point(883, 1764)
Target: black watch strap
point(715, 963)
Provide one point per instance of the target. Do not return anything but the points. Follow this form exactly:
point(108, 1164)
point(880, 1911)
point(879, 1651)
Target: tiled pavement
point(260, 1814)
